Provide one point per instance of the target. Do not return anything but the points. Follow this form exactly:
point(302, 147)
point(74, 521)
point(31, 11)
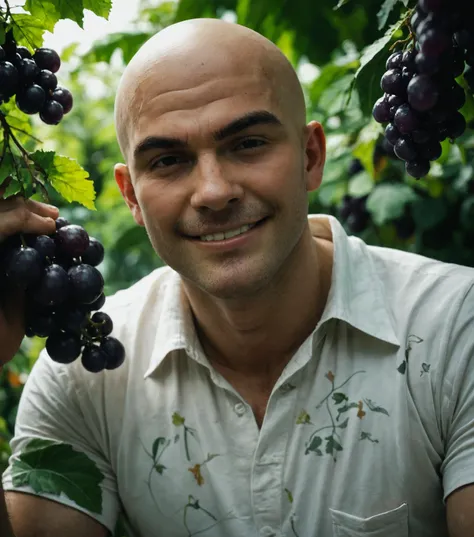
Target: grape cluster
point(354, 214)
point(422, 97)
point(31, 77)
point(63, 293)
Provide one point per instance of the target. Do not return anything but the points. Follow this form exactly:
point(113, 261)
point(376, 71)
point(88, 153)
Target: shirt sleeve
point(57, 452)
point(457, 402)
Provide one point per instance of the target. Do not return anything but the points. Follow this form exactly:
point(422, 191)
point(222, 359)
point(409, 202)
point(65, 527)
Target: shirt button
point(267, 531)
point(240, 409)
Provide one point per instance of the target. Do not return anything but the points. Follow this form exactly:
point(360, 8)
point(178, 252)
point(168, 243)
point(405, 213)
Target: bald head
point(194, 54)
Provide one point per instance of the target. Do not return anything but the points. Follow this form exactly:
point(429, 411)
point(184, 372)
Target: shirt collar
point(356, 297)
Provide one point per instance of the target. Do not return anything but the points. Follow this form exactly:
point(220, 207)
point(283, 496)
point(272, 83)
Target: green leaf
point(70, 180)
point(332, 445)
point(385, 11)
point(128, 43)
point(428, 212)
point(28, 30)
point(360, 185)
point(177, 419)
point(343, 425)
point(314, 445)
point(387, 201)
point(402, 367)
point(70, 9)
point(45, 11)
point(365, 145)
point(13, 188)
point(99, 7)
point(375, 408)
point(345, 408)
point(372, 66)
point(339, 397)
point(45, 159)
point(52, 468)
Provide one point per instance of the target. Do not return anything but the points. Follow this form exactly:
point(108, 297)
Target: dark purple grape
point(381, 110)
point(431, 6)
point(9, 79)
point(94, 359)
point(24, 267)
point(45, 246)
point(422, 93)
point(94, 255)
point(426, 65)
point(97, 304)
point(72, 240)
point(407, 75)
point(28, 72)
point(394, 102)
point(15, 60)
point(434, 42)
point(47, 58)
point(406, 120)
point(358, 221)
point(47, 80)
point(54, 287)
point(63, 347)
point(40, 324)
point(72, 320)
point(408, 59)
point(31, 99)
point(115, 352)
point(455, 126)
point(439, 114)
point(87, 283)
point(430, 150)
point(456, 97)
point(104, 322)
point(405, 227)
point(61, 222)
point(392, 134)
point(457, 64)
point(64, 97)
point(416, 19)
point(421, 136)
point(52, 112)
point(394, 61)
point(405, 149)
point(24, 53)
point(392, 82)
point(417, 168)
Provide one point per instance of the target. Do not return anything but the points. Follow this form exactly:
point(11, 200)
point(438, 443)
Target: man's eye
point(250, 143)
point(166, 161)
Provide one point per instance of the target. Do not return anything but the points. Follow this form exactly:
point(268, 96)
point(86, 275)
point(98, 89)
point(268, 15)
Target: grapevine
point(57, 273)
point(425, 83)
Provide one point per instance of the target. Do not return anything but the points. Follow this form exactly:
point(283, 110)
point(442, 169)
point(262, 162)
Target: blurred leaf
point(99, 7)
point(361, 185)
point(128, 43)
point(365, 145)
point(387, 201)
point(427, 213)
point(385, 11)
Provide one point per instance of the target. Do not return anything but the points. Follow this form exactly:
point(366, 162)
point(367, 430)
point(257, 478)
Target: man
point(282, 379)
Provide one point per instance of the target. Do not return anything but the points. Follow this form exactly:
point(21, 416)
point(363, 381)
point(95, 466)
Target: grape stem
point(26, 157)
point(406, 22)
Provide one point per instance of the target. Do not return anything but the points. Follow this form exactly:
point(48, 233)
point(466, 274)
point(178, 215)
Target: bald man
point(283, 379)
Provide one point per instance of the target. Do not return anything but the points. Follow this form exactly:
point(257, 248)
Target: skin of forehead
point(188, 54)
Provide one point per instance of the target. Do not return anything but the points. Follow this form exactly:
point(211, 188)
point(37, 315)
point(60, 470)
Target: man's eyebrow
point(260, 117)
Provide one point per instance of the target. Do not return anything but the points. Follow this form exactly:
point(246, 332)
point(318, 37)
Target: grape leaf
point(70, 180)
point(385, 11)
point(45, 159)
point(52, 468)
point(13, 188)
point(28, 30)
point(365, 145)
point(45, 11)
point(387, 201)
point(70, 9)
point(99, 7)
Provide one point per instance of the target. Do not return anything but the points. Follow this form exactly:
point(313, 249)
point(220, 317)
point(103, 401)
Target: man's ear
point(124, 182)
point(315, 155)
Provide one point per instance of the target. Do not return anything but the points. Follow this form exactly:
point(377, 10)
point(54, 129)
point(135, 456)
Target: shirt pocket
point(393, 523)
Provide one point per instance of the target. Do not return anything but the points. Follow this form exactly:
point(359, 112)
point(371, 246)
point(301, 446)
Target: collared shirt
point(367, 431)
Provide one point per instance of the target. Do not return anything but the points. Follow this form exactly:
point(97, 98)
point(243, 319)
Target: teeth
point(227, 234)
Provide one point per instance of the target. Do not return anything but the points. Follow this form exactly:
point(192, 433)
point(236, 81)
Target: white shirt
point(368, 429)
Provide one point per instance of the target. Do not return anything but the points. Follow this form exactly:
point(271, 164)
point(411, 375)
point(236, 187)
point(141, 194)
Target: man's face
point(214, 155)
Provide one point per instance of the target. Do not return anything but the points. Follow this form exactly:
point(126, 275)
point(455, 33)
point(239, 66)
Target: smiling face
point(212, 143)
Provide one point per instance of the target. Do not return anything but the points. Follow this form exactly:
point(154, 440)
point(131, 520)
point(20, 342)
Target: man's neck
point(258, 337)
